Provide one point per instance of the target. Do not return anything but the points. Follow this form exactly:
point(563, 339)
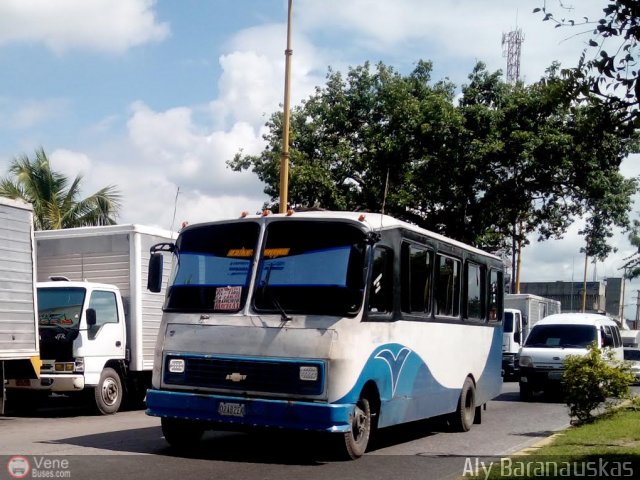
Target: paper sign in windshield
point(228, 298)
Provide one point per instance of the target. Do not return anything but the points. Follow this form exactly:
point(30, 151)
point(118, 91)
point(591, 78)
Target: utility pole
point(584, 281)
point(624, 281)
point(284, 162)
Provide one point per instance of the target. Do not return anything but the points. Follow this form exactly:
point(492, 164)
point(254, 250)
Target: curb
point(532, 449)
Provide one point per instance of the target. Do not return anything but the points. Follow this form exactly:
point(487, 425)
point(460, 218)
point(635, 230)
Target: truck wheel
point(463, 418)
point(181, 434)
point(108, 392)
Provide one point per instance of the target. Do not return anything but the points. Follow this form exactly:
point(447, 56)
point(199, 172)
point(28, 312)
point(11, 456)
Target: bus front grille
point(296, 377)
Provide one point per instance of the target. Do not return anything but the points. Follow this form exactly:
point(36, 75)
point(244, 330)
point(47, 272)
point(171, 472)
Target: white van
point(553, 339)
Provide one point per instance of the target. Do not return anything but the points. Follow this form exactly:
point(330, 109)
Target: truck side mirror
point(516, 337)
point(91, 317)
point(154, 278)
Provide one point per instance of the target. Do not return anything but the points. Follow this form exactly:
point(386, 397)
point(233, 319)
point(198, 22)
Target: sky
point(154, 96)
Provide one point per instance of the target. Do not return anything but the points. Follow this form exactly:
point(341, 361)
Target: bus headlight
point(526, 361)
point(176, 365)
point(309, 373)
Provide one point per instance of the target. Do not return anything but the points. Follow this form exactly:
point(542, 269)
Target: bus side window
point(474, 282)
point(447, 286)
point(381, 288)
point(494, 301)
point(416, 272)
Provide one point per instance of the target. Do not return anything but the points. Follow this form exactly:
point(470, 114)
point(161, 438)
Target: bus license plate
point(231, 409)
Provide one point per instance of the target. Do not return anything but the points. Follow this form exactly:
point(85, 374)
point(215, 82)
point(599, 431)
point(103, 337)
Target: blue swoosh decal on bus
point(395, 361)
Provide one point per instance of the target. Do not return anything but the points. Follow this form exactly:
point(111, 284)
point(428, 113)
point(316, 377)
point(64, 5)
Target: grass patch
point(607, 448)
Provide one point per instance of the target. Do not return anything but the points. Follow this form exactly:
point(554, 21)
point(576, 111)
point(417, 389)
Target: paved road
point(130, 444)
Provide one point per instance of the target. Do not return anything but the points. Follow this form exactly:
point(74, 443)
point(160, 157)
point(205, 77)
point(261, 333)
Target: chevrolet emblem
point(235, 377)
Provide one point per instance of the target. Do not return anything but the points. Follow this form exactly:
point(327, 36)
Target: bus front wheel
point(181, 434)
point(463, 418)
point(357, 439)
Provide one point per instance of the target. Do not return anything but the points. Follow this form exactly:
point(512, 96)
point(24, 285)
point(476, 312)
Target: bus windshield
point(311, 268)
point(213, 266)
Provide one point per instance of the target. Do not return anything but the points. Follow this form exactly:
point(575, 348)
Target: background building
point(603, 296)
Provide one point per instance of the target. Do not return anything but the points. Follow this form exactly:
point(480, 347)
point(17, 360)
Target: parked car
point(632, 355)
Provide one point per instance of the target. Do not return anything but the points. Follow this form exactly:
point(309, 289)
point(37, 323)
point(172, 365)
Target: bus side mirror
point(154, 278)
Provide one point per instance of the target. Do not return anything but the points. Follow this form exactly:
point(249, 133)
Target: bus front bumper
point(250, 412)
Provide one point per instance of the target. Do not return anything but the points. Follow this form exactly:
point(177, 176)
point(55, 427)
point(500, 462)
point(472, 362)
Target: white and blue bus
point(323, 321)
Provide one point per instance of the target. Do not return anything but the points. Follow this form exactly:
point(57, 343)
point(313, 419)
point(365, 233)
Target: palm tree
point(55, 198)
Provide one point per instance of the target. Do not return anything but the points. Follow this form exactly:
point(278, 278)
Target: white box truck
point(98, 322)
point(630, 338)
point(19, 350)
point(522, 311)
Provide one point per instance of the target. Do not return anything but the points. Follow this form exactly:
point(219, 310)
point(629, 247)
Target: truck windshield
point(212, 269)
point(567, 336)
point(60, 307)
point(311, 268)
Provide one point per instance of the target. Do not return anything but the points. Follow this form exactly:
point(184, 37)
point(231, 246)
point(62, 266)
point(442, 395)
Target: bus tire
point(181, 434)
point(357, 438)
point(108, 393)
point(463, 418)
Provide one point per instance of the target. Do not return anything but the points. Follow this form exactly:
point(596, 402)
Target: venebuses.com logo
point(18, 467)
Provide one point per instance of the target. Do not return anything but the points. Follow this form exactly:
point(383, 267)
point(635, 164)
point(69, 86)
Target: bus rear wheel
point(357, 439)
point(463, 418)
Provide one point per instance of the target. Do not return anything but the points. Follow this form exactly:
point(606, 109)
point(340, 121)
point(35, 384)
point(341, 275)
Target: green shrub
point(594, 380)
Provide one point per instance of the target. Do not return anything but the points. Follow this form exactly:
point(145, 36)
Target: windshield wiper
point(571, 345)
point(283, 315)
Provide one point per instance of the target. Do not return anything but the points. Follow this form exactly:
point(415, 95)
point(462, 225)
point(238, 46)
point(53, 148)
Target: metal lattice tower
point(511, 46)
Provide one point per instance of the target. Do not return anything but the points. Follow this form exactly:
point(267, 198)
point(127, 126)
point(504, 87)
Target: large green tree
point(56, 198)
point(609, 65)
point(469, 167)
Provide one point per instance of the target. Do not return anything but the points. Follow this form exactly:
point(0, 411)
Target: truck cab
point(512, 339)
point(82, 342)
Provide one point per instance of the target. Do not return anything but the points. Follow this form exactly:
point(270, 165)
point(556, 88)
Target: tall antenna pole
point(284, 162)
point(511, 47)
